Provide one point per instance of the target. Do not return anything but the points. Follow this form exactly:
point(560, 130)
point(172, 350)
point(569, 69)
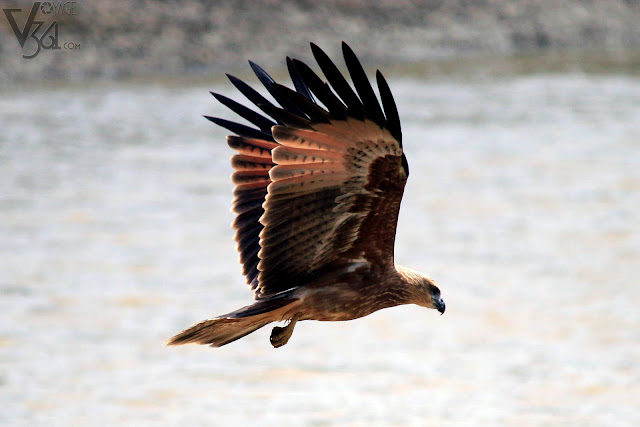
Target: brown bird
point(317, 195)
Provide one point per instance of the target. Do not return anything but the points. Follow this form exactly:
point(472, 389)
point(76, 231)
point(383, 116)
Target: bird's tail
point(235, 325)
point(218, 332)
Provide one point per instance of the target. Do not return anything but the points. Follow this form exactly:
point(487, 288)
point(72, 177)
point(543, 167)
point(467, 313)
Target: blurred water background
point(523, 202)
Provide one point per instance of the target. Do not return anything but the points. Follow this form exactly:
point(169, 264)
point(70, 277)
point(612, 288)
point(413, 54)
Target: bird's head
point(425, 290)
point(433, 295)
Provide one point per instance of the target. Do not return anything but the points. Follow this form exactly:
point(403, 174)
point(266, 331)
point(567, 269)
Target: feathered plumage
point(318, 186)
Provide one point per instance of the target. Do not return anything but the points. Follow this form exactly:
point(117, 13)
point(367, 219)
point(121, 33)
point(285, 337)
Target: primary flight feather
point(318, 187)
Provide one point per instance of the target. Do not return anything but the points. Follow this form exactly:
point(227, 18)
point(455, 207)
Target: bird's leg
point(280, 335)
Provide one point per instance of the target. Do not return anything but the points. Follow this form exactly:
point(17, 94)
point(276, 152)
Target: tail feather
point(220, 331)
point(235, 325)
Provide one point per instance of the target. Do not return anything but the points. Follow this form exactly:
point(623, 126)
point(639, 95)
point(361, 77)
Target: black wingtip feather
point(240, 129)
point(339, 83)
point(362, 85)
point(323, 92)
point(287, 118)
point(268, 82)
point(250, 93)
point(390, 108)
point(298, 81)
point(311, 109)
point(260, 121)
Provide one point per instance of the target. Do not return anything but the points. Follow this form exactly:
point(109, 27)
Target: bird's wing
point(316, 187)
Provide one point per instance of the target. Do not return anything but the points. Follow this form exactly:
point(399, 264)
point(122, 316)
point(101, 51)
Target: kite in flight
point(317, 192)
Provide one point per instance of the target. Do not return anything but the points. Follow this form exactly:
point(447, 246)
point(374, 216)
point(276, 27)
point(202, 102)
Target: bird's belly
point(332, 305)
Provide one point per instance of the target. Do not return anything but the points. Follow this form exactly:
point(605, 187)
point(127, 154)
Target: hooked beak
point(439, 305)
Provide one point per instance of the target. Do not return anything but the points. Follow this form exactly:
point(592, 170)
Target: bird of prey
point(318, 184)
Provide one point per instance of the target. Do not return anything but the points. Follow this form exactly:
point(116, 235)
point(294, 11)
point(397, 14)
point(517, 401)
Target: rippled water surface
point(523, 202)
